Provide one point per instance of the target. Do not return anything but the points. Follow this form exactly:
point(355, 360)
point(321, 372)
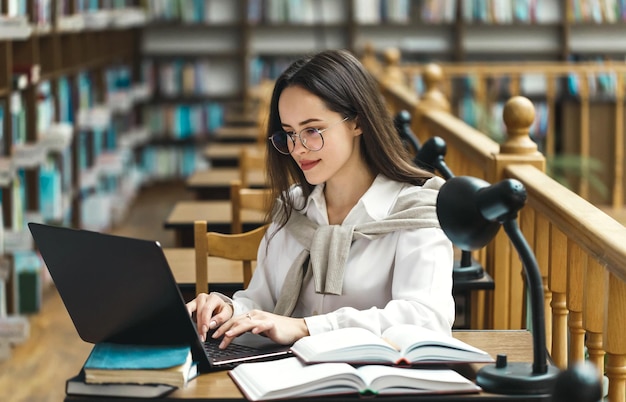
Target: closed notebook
point(77, 386)
point(140, 364)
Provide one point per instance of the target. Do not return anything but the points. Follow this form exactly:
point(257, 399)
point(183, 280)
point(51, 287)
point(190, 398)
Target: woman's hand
point(211, 312)
point(280, 329)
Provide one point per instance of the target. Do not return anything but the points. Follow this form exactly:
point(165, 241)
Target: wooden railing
point(581, 251)
point(591, 123)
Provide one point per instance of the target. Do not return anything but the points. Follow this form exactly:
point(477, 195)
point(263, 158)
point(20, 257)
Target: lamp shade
point(470, 210)
point(431, 156)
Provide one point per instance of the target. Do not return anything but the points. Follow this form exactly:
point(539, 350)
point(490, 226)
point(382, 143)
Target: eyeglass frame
point(303, 142)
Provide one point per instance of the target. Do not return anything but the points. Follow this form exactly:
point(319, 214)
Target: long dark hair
point(347, 88)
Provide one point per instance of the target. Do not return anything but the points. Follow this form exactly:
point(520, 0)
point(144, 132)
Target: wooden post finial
point(518, 115)
point(369, 59)
point(433, 77)
point(392, 73)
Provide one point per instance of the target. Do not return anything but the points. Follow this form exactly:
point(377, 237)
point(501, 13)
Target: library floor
point(38, 368)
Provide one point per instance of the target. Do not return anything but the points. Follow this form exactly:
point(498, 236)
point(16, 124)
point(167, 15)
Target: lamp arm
point(443, 168)
point(535, 286)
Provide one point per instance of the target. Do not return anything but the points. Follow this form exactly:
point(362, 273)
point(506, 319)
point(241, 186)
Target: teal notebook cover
point(114, 356)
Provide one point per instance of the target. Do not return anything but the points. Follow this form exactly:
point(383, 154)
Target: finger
point(239, 325)
point(220, 318)
point(225, 326)
point(263, 328)
point(205, 316)
point(232, 329)
point(191, 306)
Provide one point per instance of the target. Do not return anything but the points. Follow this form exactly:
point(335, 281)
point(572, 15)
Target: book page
point(346, 344)
point(389, 379)
point(411, 337)
point(290, 377)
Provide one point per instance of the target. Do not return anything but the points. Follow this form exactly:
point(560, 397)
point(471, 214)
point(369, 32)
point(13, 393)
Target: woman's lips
point(306, 165)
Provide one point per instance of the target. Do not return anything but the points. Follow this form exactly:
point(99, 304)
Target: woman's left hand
point(280, 329)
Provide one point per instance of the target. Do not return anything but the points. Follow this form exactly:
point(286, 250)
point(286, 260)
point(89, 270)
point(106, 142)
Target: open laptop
point(121, 289)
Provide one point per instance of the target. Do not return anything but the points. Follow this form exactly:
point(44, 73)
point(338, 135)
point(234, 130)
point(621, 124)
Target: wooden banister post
point(518, 115)
point(507, 307)
point(393, 83)
point(577, 264)
point(392, 74)
point(369, 59)
point(614, 339)
point(434, 97)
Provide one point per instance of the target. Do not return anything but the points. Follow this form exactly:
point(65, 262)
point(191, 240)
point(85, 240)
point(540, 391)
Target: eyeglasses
point(310, 138)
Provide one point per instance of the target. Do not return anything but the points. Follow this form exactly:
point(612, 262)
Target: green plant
point(568, 169)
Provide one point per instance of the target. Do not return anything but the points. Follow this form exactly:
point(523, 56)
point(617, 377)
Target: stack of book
point(407, 359)
point(140, 371)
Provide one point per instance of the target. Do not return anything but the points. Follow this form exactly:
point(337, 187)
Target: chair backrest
point(243, 198)
point(251, 161)
point(241, 247)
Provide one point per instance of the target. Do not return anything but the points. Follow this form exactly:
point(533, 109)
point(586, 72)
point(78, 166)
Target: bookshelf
point(246, 41)
point(70, 86)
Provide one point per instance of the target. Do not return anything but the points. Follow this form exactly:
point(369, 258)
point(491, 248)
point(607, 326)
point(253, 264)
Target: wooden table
point(216, 213)
point(217, 386)
point(214, 183)
point(225, 154)
point(241, 134)
point(225, 276)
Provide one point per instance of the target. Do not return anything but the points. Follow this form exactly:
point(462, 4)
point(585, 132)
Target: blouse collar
point(374, 205)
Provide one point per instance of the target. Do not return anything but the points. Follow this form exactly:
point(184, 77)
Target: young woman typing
point(354, 238)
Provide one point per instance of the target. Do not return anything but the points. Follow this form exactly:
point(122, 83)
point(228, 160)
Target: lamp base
point(516, 379)
point(473, 270)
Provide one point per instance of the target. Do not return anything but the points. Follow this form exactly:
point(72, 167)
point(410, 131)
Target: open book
point(399, 345)
point(290, 378)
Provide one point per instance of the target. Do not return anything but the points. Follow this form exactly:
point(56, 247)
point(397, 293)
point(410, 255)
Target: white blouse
point(401, 277)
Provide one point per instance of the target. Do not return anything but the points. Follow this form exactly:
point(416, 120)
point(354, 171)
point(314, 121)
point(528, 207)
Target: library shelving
point(70, 83)
point(239, 43)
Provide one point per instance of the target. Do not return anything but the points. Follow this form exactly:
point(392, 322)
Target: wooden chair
point(214, 183)
point(242, 199)
point(252, 165)
point(237, 247)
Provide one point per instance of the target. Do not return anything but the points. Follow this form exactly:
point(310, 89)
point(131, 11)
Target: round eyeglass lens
point(282, 142)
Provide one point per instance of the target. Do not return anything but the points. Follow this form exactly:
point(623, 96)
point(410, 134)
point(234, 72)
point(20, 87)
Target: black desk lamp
point(402, 121)
point(470, 212)
point(431, 157)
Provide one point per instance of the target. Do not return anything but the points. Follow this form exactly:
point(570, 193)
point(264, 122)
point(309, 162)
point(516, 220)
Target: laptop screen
point(117, 289)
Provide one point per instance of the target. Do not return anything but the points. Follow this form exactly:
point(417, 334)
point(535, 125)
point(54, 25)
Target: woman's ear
point(356, 128)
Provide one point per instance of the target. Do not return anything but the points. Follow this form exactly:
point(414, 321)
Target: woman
point(354, 239)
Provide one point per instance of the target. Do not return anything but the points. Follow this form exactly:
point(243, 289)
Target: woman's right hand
point(211, 312)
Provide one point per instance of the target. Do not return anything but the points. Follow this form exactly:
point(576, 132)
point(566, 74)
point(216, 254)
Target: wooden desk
point(223, 154)
point(225, 276)
point(214, 183)
point(241, 134)
point(216, 213)
point(517, 345)
point(238, 117)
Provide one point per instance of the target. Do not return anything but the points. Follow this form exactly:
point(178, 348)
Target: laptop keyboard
point(232, 351)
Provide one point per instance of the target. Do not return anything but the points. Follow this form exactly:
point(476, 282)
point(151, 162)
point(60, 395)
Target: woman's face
point(300, 109)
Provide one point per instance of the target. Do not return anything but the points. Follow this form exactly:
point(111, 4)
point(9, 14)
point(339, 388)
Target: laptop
point(121, 289)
